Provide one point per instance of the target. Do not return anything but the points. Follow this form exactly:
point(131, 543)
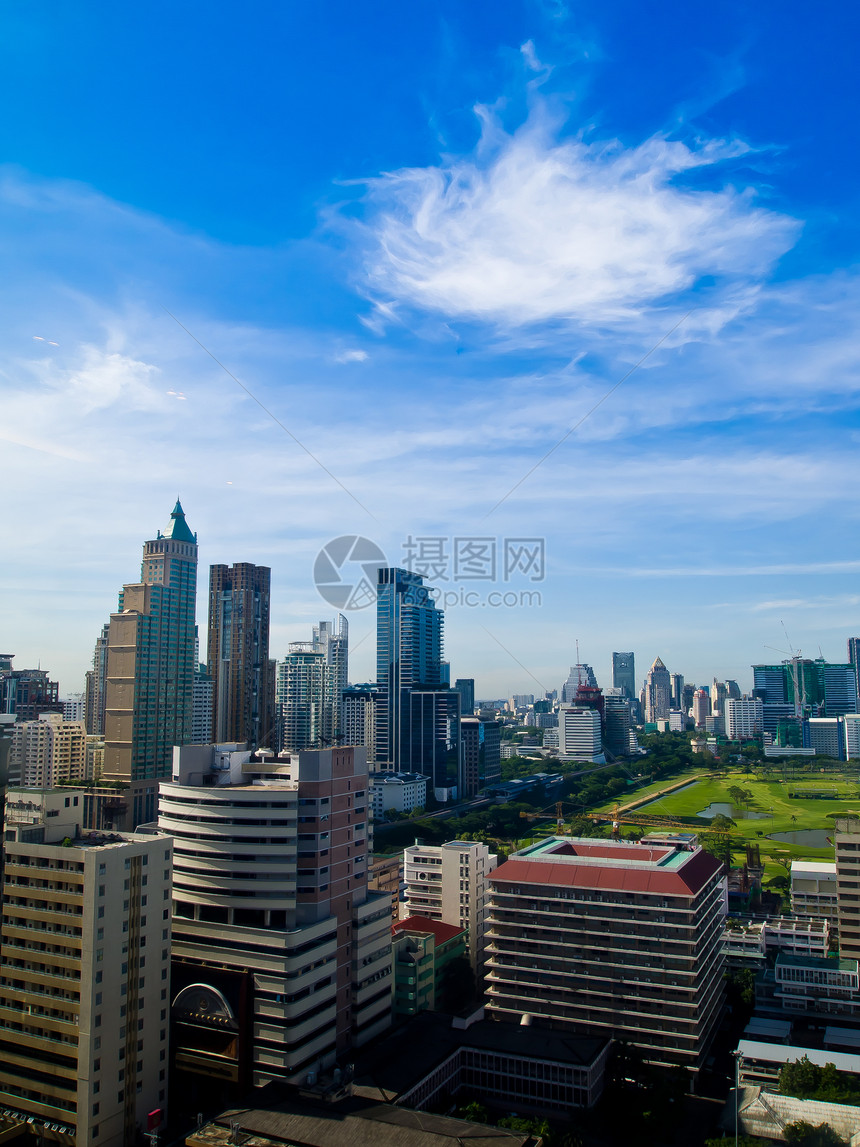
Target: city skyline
point(351, 244)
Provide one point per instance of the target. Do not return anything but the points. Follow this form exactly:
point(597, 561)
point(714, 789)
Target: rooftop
point(781, 1053)
point(610, 866)
point(442, 932)
point(821, 963)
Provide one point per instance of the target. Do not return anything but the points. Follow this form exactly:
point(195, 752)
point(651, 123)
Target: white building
point(814, 890)
point(73, 707)
point(677, 721)
point(579, 735)
point(399, 791)
point(201, 706)
point(84, 973)
point(825, 736)
point(48, 751)
point(851, 727)
point(448, 882)
point(744, 718)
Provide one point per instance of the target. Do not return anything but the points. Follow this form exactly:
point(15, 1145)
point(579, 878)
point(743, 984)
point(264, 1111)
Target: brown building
point(243, 677)
point(611, 938)
point(28, 692)
point(384, 875)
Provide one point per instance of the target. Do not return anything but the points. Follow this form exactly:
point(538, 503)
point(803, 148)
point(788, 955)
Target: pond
point(810, 837)
point(724, 808)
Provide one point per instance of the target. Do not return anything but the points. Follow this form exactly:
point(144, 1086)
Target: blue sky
point(430, 238)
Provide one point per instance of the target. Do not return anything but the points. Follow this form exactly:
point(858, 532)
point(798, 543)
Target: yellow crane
point(647, 820)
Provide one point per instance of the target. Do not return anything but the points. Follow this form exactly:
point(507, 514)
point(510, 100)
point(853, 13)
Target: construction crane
point(557, 808)
point(647, 820)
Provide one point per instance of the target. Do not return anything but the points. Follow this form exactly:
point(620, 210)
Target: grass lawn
point(771, 797)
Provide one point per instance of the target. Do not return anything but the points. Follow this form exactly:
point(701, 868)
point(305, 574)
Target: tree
point(527, 1126)
point(475, 1112)
point(800, 1079)
point(805, 1135)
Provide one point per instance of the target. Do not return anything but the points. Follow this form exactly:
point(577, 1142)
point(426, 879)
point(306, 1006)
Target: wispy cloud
point(532, 228)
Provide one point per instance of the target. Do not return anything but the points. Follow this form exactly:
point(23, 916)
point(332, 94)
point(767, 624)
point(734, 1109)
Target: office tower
point(303, 699)
point(580, 676)
point(94, 706)
point(150, 669)
point(613, 939)
point(814, 688)
point(824, 734)
point(434, 747)
point(719, 693)
point(624, 673)
point(358, 716)
point(28, 692)
point(743, 718)
point(687, 697)
point(579, 734)
point(448, 882)
point(333, 643)
point(290, 946)
point(84, 969)
point(658, 692)
point(48, 752)
point(482, 761)
point(733, 690)
point(465, 686)
point(851, 730)
point(676, 686)
point(617, 724)
point(409, 631)
point(243, 686)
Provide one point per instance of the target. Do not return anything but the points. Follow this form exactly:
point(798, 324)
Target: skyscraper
point(658, 692)
point(94, 706)
point(624, 674)
point(150, 669)
point(580, 676)
point(28, 692)
point(465, 686)
point(243, 677)
point(304, 699)
point(333, 644)
point(677, 687)
point(408, 656)
point(815, 688)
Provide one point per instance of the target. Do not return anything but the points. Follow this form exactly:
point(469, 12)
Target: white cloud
point(351, 356)
point(532, 229)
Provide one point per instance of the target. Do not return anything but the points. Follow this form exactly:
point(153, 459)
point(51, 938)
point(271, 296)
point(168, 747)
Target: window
point(95, 1105)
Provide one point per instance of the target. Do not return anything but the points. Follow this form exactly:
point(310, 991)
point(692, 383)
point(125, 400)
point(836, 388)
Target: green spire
point(178, 529)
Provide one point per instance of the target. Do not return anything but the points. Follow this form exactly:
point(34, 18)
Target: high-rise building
point(579, 734)
point(465, 686)
point(482, 762)
point(28, 692)
point(84, 969)
point(687, 697)
point(287, 948)
point(409, 631)
point(658, 692)
point(719, 693)
point(73, 707)
point(676, 684)
point(333, 643)
point(611, 938)
point(201, 706)
point(624, 673)
point(851, 729)
point(580, 676)
point(303, 698)
point(847, 846)
point(448, 882)
point(617, 723)
point(48, 752)
point(824, 734)
point(733, 690)
point(150, 669)
point(814, 688)
point(358, 717)
point(435, 747)
point(243, 684)
point(94, 707)
point(744, 718)
point(854, 655)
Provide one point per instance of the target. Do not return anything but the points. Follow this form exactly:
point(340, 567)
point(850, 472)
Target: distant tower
point(677, 685)
point(94, 706)
point(304, 699)
point(243, 685)
point(658, 692)
point(150, 669)
point(624, 674)
point(581, 675)
point(701, 707)
point(465, 686)
point(333, 644)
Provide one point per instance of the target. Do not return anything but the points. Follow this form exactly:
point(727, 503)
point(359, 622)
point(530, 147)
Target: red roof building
point(611, 938)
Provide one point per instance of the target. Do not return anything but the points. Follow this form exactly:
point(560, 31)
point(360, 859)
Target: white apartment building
point(84, 973)
point(48, 751)
point(579, 735)
point(744, 718)
point(399, 791)
point(448, 882)
point(73, 707)
point(814, 890)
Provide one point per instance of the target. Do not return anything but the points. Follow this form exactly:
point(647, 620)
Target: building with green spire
point(150, 673)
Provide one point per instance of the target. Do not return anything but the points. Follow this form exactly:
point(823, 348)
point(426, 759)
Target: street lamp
point(737, 1056)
